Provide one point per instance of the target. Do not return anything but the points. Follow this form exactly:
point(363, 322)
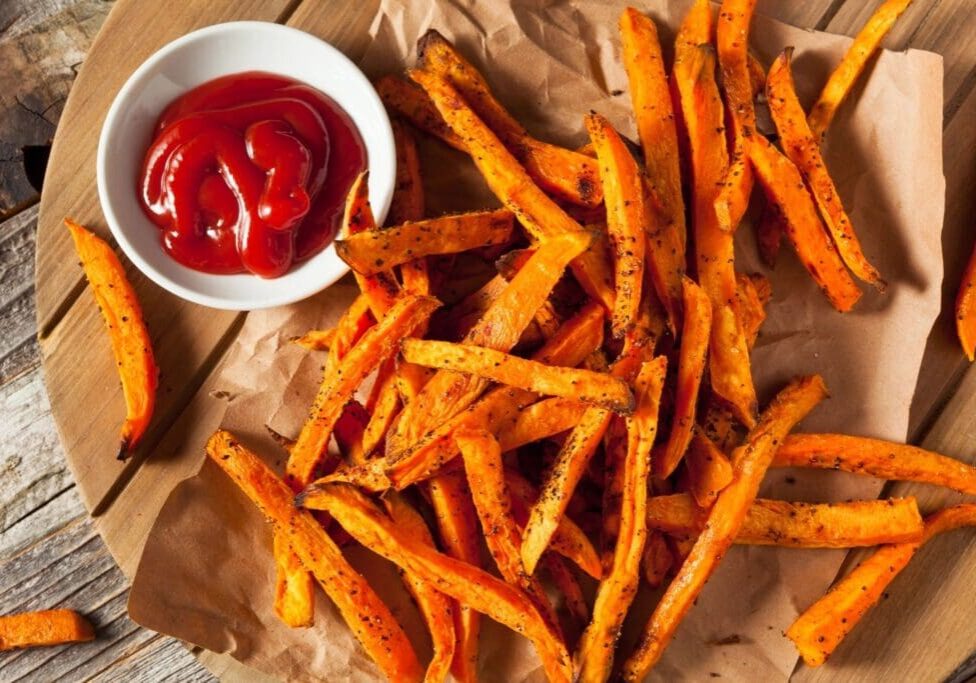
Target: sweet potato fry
point(752, 293)
point(367, 616)
point(563, 172)
point(466, 583)
point(540, 215)
point(757, 75)
point(410, 102)
point(614, 457)
point(566, 585)
point(39, 629)
point(842, 79)
point(657, 560)
point(732, 42)
point(799, 525)
point(595, 388)
point(131, 346)
point(617, 590)
point(697, 28)
point(316, 340)
point(486, 479)
point(623, 192)
point(695, 333)
point(540, 420)
point(785, 187)
point(381, 289)
point(876, 458)
point(966, 309)
point(750, 462)
point(447, 393)
point(701, 106)
point(374, 251)
point(457, 525)
point(351, 327)
point(709, 471)
point(383, 406)
point(803, 149)
point(821, 628)
point(408, 204)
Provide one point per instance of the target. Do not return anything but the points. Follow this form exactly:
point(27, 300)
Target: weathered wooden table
point(50, 554)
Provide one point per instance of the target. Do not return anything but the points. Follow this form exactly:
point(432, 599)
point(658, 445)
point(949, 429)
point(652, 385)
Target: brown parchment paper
point(206, 572)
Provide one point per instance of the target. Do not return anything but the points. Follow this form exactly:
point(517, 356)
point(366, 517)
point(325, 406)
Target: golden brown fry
point(842, 79)
point(374, 251)
point(803, 149)
point(466, 583)
point(447, 393)
point(799, 525)
point(131, 346)
point(595, 388)
point(540, 215)
point(617, 590)
point(381, 289)
point(701, 106)
point(751, 460)
point(709, 471)
point(486, 480)
point(39, 629)
point(368, 618)
point(821, 628)
point(876, 458)
point(966, 309)
point(695, 334)
point(732, 41)
point(784, 186)
point(623, 192)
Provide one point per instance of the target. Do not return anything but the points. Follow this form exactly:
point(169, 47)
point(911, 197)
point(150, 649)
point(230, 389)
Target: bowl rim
point(124, 99)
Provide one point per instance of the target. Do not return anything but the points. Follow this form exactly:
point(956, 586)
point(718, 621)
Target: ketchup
point(248, 173)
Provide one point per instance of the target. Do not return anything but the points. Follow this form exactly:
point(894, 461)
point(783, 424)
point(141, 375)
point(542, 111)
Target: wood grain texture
point(19, 351)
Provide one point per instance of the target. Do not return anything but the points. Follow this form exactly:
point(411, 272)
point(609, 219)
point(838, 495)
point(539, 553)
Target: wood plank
point(19, 351)
point(159, 659)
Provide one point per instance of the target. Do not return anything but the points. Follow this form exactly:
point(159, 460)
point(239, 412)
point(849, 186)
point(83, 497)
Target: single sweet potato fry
point(351, 327)
point(383, 406)
point(595, 388)
point(374, 251)
point(752, 293)
point(466, 583)
point(784, 185)
point(798, 525)
point(44, 628)
point(966, 309)
point(709, 471)
point(408, 204)
point(540, 420)
point(623, 193)
point(658, 559)
point(695, 333)
point(131, 346)
point(381, 289)
point(750, 462)
point(617, 590)
point(410, 102)
point(824, 625)
point(316, 340)
point(842, 79)
point(732, 42)
point(367, 616)
point(876, 458)
point(803, 149)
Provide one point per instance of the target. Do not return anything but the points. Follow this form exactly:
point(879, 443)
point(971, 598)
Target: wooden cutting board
point(190, 340)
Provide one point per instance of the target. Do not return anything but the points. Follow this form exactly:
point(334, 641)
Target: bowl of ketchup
point(225, 159)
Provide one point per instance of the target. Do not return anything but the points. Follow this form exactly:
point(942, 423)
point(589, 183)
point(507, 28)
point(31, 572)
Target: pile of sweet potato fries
point(588, 413)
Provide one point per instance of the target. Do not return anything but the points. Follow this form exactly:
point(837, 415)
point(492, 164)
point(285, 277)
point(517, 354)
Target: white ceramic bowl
point(186, 63)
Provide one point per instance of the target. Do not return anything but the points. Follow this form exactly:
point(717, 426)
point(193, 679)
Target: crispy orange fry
point(457, 525)
point(537, 213)
point(408, 203)
point(623, 193)
point(47, 627)
point(844, 76)
point(316, 340)
point(803, 149)
point(732, 41)
point(466, 583)
point(410, 102)
point(657, 560)
point(617, 590)
point(752, 293)
point(709, 471)
point(701, 106)
point(571, 175)
point(821, 628)
point(381, 289)
point(368, 618)
point(447, 393)
point(374, 251)
point(595, 388)
point(750, 461)
point(351, 327)
point(127, 332)
point(697, 28)
point(614, 456)
point(691, 366)
point(966, 309)
point(876, 458)
point(383, 406)
point(540, 420)
point(486, 479)
point(799, 525)
point(785, 187)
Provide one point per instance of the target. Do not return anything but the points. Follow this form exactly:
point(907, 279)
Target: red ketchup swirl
point(248, 173)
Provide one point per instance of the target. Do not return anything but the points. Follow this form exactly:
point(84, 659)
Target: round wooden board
point(190, 340)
